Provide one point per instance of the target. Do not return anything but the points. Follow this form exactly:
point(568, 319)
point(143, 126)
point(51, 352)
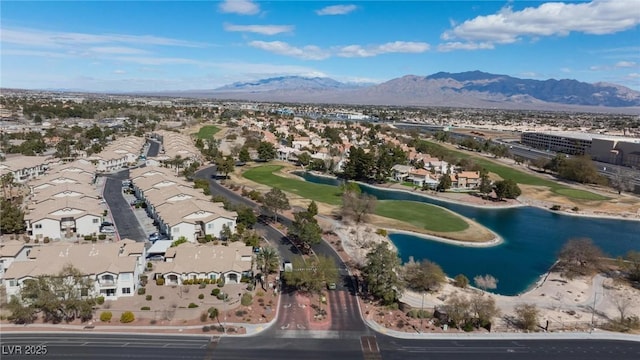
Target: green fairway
point(523, 178)
point(421, 215)
point(321, 193)
point(207, 132)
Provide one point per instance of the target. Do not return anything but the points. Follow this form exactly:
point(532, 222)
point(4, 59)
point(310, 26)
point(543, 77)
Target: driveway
point(127, 224)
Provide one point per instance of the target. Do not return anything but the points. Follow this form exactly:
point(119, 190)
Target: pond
point(532, 239)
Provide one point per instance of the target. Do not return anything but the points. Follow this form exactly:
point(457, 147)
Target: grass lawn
point(327, 194)
point(422, 215)
point(207, 132)
point(430, 216)
point(520, 177)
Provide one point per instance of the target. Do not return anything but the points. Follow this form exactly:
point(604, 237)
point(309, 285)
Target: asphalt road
point(352, 345)
point(154, 148)
point(127, 224)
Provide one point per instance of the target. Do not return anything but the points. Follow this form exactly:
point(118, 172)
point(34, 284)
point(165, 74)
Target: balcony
point(106, 283)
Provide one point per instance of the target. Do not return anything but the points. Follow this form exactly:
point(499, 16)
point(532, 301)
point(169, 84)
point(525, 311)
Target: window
point(126, 290)
point(12, 283)
point(38, 226)
point(176, 230)
point(84, 292)
point(95, 221)
point(125, 277)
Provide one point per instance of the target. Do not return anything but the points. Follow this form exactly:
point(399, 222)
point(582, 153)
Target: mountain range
point(467, 89)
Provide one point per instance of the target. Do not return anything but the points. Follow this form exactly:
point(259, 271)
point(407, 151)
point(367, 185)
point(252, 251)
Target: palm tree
point(268, 261)
point(214, 313)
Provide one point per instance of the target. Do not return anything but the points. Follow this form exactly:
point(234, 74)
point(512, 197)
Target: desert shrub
point(205, 328)
point(260, 293)
point(106, 316)
point(153, 321)
point(160, 281)
point(204, 316)
point(142, 291)
point(143, 280)
point(418, 314)
point(101, 237)
point(382, 232)
point(215, 292)
point(161, 297)
point(127, 317)
point(201, 296)
point(192, 305)
point(241, 313)
point(222, 296)
point(250, 287)
point(220, 282)
point(246, 299)
point(461, 281)
point(575, 208)
point(145, 308)
point(149, 297)
point(100, 300)
point(203, 284)
point(46, 240)
point(556, 207)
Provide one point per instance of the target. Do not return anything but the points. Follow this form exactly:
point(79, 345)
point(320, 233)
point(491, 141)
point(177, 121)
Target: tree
point(244, 155)
point(485, 282)
point(275, 201)
point(445, 182)
point(527, 316)
point(485, 187)
point(579, 257)
point(61, 297)
point(484, 309)
point(268, 261)
point(508, 189)
point(8, 182)
point(312, 275)
point(541, 163)
point(580, 169)
point(225, 165)
point(357, 206)
point(214, 313)
point(622, 304)
point(622, 181)
point(246, 216)
point(458, 309)
point(359, 164)
point(381, 274)
point(12, 219)
point(304, 158)
point(266, 151)
point(305, 227)
point(461, 281)
point(632, 265)
point(423, 275)
point(21, 313)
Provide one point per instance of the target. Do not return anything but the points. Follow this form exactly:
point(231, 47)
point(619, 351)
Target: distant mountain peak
point(286, 83)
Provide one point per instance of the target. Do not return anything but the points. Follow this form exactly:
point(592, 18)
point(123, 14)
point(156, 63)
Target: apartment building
point(114, 267)
point(206, 261)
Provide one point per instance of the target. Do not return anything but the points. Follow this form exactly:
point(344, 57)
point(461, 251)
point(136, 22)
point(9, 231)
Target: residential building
point(63, 217)
point(206, 261)
point(114, 268)
point(11, 251)
point(25, 168)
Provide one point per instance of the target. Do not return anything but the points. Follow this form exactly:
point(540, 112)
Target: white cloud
point(310, 52)
point(626, 64)
point(456, 45)
point(336, 10)
point(119, 72)
point(53, 39)
point(597, 17)
point(242, 7)
point(375, 50)
point(260, 29)
point(634, 75)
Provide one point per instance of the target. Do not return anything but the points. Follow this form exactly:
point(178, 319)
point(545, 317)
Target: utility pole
point(421, 311)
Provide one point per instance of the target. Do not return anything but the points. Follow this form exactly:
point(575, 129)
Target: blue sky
point(165, 45)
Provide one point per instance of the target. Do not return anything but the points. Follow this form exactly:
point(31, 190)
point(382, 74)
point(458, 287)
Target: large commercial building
point(610, 149)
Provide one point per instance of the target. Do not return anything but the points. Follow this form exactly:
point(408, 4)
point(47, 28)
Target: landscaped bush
point(46, 240)
point(145, 308)
point(205, 328)
point(149, 297)
point(220, 282)
point(100, 300)
point(160, 281)
point(201, 296)
point(203, 284)
point(127, 317)
point(241, 313)
point(192, 305)
point(222, 296)
point(555, 207)
point(204, 316)
point(142, 291)
point(102, 236)
point(161, 297)
point(418, 314)
point(250, 287)
point(106, 316)
point(382, 232)
point(246, 299)
point(260, 293)
point(143, 280)
point(215, 292)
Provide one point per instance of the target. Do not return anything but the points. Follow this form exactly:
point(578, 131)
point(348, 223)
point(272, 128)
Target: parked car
point(156, 258)
point(331, 286)
point(154, 237)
